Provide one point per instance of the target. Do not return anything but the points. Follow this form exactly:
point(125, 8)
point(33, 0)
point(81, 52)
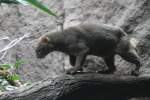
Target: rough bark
point(83, 87)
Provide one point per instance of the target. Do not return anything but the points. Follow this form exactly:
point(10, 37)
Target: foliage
point(9, 1)
point(18, 63)
point(15, 65)
point(37, 4)
point(34, 3)
point(5, 66)
point(11, 77)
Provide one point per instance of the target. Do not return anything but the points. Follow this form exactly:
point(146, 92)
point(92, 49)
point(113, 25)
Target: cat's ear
point(44, 39)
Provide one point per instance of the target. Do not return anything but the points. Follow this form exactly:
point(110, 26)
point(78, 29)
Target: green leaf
point(23, 2)
point(18, 63)
point(38, 5)
point(9, 1)
point(5, 66)
point(14, 77)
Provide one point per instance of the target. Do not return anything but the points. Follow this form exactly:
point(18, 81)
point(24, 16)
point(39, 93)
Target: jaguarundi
point(91, 39)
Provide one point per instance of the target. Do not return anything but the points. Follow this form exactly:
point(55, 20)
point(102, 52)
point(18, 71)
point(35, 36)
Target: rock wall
point(16, 20)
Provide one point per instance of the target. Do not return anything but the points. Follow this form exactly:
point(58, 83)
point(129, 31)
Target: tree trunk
point(83, 87)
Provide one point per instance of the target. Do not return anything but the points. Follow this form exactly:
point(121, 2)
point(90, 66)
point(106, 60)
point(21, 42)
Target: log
point(87, 86)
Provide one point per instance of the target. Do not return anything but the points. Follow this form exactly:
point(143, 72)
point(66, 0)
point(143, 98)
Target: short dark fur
point(90, 39)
